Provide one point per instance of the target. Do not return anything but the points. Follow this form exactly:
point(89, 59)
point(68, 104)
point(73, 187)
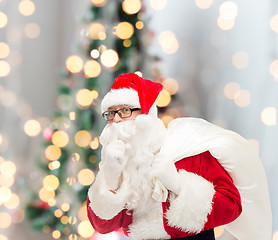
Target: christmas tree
point(70, 153)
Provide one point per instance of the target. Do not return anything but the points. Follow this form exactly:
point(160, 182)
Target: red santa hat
point(132, 90)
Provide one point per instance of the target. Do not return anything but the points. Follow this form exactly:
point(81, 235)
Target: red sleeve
point(226, 205)
point(123, 219)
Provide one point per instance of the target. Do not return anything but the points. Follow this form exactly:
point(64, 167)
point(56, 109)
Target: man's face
point(127, 112)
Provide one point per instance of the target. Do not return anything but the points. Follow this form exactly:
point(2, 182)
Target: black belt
point(207, 235)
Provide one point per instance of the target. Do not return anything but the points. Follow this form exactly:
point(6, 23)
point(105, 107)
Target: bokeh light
point(26, 7)
point(5, 194)
point(4, 50)
point(98, 3)
point(158, 4)
point(8, 168)
point(86, 177)
point(131, 6)
point(240, 60)
point(95, 53)
point(92, 69)
point(109, 58)
point(84, 97)
point(82, 138)
point(60, 138)
point(163, 99)
point(275, 235)
point(139, 25)
point(85, 229)
point(74, 64)
point(231, 89)
point(225, 24)
point(242, 98)
point(3, 20)
point(4, 68)
point(170, 85)
point(124, 30)
point(273, 69)
point(8, 98)
point(269, 116)
point(13, 202)
point(97, 31)
point(5, 220)
point(53, 152)
point(203, 4)
point(168, 42)
point(274, 23)
point(3, 237)
point(32, 128)
point(65, 207)
point(228, 10)
point(51, 182)
point(56, 234)
point(32, 30)
point(45, 194)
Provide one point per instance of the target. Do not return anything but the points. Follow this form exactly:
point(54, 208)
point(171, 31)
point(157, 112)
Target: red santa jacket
point(207, 199)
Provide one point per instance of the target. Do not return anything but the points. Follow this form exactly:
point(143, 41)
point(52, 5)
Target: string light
point(131, 6)
point(84, 97)
point(168, 42)
point(109, 58)
point(26, 7)
point(3, 20)
point(242, 98)
point(60, 138)
point(97, 31)
point(203, 4)
point(225, 24)
point(269, 116)
point(85, 229)
point(4, 68)
point(32, 128)
point(53, 152)
point(274, 23)
point(82, 138)
point(92, 69)
point(86, 177)
point(228, 10)
point(163, 99)
point(74, 64)
point(240, 60)
point(32, 30)
point(231, 89)
point(4, 50)
point(98, 3)
point(124, 30)
point(158, 4)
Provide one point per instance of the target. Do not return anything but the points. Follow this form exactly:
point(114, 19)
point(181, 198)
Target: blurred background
point(217, 60)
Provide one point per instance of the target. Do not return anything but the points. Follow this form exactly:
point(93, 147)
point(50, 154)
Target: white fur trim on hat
point(120, 96)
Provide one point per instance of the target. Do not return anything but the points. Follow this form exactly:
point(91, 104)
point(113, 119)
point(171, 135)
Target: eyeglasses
point(123, 113)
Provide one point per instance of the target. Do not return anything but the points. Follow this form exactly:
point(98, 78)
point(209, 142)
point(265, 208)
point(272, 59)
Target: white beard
point(143, 138)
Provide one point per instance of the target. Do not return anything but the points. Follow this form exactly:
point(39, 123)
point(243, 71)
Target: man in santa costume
point(174, 183)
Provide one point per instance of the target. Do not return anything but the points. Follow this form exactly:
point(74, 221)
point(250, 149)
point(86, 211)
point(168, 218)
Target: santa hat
point(133, 90)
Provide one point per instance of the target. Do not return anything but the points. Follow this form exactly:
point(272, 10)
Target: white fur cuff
point(103, 202)
point(189, 209)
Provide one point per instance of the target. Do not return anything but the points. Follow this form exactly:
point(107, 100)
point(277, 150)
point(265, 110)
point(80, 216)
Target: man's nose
point(117, 118)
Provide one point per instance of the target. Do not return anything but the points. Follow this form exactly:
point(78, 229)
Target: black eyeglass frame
point(117, 111)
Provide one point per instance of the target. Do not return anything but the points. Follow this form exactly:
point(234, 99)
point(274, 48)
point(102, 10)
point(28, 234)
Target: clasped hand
point(113, 162)
point(165, 171)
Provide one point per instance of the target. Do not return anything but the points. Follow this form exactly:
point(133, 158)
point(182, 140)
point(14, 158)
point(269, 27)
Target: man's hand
point(165, 170)
point(113, 162)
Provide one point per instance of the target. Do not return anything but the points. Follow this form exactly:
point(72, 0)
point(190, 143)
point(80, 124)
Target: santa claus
point(174, 183)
